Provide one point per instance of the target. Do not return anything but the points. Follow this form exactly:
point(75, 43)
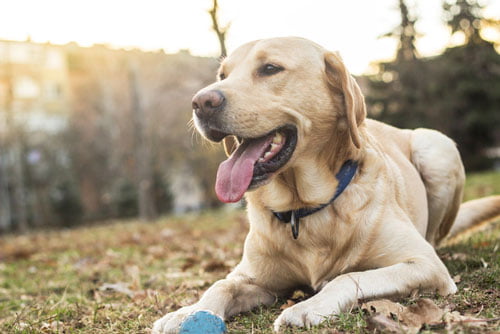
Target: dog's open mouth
point(254, 162)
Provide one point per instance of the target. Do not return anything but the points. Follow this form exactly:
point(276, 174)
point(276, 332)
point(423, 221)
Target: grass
point(121, 276)
point(482, 184)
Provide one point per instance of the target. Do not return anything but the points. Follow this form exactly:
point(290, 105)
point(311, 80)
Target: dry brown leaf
point(459, 256)
point(144, 294)
point(168, 233)
point(54, 326)
point(424, 311)
point(195, 283)
point(215, 265)
point(178, 274)
point(190, 262)
point(384, 324)
point(117, 287)
point(413, 317)
point(385, 307)
point(455, 317)
point(16, 254)
point(289, 303)
point(157, 251)
point(133, 272)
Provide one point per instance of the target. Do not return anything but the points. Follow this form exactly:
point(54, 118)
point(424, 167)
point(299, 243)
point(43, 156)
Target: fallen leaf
point(424, 311)
point(190, 262)
point(457, 278)
point(412, 318)
point(167, 233)
point(22, 325)
point(215, 265)
point(54, 326)
point(16, 254)
point(157, 251)
point(117, 287)
point(133, 272)
point(455, 317)
point(384, 307)
point(195, 283)
point(178, 274)
point(381, 323)
point(143, 294)
point(459, 256)
point(289, 303)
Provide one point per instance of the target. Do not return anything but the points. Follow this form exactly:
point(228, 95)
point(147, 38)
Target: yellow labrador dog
point(346, 205)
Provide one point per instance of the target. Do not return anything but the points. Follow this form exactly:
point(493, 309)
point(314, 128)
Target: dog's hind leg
point(438, 161)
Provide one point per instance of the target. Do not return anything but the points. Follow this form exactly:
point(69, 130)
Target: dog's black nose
point(206, 103)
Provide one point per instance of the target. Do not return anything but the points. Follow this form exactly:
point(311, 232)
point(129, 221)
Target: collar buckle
point(344, 176)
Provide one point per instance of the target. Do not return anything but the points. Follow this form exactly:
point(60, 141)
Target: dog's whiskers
point(194, 133)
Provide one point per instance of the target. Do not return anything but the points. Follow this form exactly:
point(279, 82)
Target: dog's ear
point(341, 80)
point(230, 144)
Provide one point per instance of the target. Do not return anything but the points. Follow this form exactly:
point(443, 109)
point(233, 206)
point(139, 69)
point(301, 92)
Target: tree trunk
point(144, 173)
point(5, 214)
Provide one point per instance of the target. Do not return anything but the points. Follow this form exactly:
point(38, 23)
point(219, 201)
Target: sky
point(352, 27)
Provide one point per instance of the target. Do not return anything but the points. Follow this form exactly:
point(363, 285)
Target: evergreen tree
point(407, 50)
point(466, 86)
point(464, 16)
point(394, 90)
point(457, 92)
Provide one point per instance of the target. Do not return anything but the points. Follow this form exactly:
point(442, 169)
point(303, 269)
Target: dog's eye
point(270, 69)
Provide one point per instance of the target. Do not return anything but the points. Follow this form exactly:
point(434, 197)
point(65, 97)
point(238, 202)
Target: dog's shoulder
point(389, 137)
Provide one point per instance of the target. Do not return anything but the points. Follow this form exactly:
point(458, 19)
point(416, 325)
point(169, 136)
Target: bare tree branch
point(220, 31)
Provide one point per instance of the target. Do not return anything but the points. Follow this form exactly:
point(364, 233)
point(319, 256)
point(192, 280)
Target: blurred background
point(95, 96)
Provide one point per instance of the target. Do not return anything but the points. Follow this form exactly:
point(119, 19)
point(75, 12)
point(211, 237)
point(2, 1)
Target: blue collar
point(344, 176)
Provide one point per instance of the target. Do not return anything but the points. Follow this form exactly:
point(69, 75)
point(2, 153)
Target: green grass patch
point(481, 185)
point(121, 276)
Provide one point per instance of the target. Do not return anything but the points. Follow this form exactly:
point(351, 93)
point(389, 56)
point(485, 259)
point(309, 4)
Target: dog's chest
point(321, 265)
point(319, 254)
point(301, 263)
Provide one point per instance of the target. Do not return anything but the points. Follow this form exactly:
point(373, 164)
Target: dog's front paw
point(301, 315)
point(171, 322)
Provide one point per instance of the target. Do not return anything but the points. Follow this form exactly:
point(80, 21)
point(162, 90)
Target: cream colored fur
point(376, 240)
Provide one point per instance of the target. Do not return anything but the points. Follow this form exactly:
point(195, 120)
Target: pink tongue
point(235, 174)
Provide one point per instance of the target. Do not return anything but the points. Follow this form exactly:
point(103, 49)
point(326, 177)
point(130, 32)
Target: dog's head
point(276, 100)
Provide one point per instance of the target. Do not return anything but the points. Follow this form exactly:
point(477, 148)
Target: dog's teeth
point(267, 155)
point(277, 138)
point(261, 160)
point(274, 146)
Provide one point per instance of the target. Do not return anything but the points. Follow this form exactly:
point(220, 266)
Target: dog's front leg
point(225, 298)
point(344, 291)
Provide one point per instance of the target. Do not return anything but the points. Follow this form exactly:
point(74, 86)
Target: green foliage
point(464, 16)
point(125, 199)
point(66, 203)
point(162, 195)
point(406, 34)
point(466, 98)
point(457, 92)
